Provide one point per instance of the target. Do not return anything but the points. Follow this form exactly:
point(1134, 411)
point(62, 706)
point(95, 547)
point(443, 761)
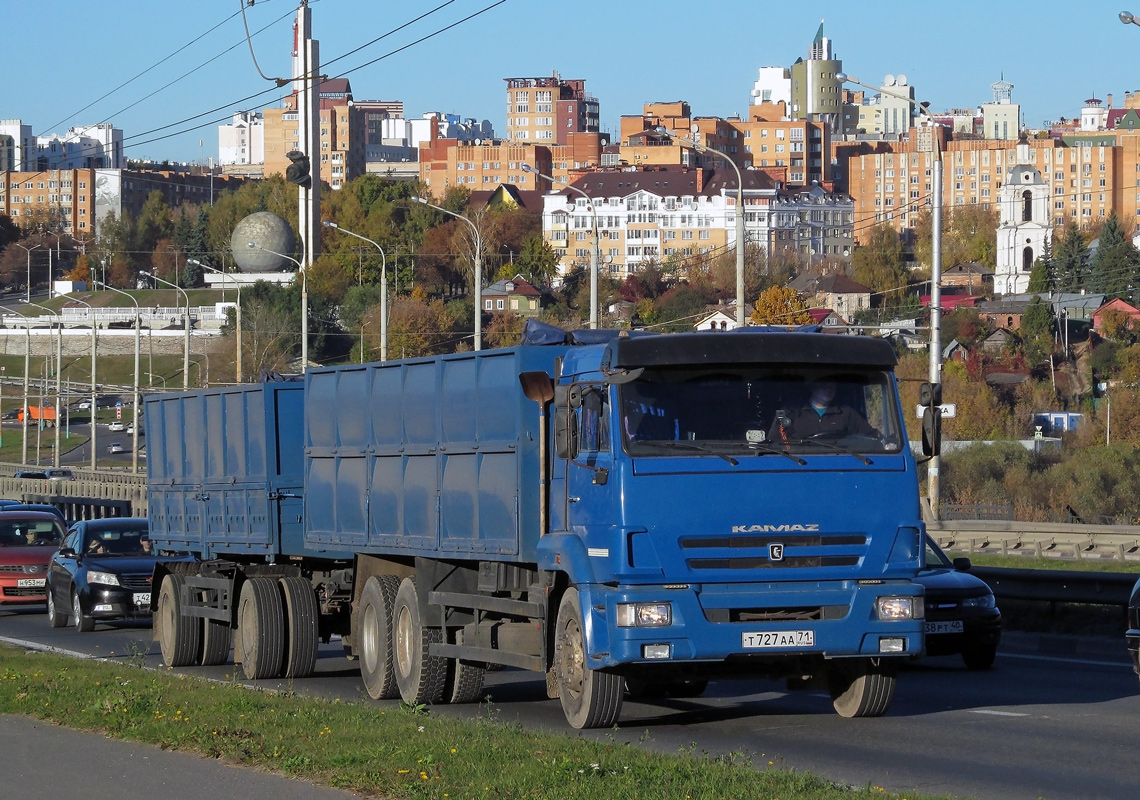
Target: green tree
point(537, 262)
point(1037, 330)
point(878, 264)
point(1070, 261)
point(1114, 266)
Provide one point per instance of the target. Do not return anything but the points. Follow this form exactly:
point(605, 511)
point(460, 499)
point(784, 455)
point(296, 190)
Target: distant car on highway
point(116, 447)
point(116, 427)
point(60, 474)
point(37, 507)
point(27, 541)
point(961, 613)
point(32, 474)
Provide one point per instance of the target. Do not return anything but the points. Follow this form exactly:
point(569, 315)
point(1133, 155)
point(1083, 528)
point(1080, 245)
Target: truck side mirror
point(932, 430)
point(565, 433)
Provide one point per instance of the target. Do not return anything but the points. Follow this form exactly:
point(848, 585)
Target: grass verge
point(402, 752)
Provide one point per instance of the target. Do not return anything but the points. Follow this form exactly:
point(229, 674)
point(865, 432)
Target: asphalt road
point(1055, 719)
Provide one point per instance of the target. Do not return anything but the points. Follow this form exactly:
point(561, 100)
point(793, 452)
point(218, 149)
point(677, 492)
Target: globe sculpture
point(270, 233)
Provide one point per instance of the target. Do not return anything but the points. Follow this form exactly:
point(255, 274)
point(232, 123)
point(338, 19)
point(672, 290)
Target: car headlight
point(644, 615)
point(985, 601)
point(894, 608)
point(108, 578)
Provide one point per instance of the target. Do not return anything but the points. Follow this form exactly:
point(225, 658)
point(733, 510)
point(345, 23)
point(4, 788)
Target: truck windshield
point(761, 409)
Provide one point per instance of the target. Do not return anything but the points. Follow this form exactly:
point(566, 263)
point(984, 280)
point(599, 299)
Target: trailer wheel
point(179, 636)
point(261, 625)
point(302, 615)
point(420, 676)
point(464, 682)
point(861, 687)
point(215, 642)
point(591, 698)
point(374, 637)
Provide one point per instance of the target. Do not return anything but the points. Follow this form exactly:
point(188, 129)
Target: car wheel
point(57, 618)
point(83, 622)
point(979, 656)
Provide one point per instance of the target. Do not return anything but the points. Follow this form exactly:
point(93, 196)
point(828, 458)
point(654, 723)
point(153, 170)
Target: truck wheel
point(303, 616)
point(374, 636)
point(261, 625)
point(591, 698)
point(215, 642)
point(420, 676)
point(179, 636)
point(861, 687)
point(56, 617)
point(464, 682)
point(83, 622)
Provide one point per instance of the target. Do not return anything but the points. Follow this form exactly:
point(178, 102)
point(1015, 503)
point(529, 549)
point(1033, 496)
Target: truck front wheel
point(861, 687)
point(420, 676)
point(591, 698)
point(374, 636)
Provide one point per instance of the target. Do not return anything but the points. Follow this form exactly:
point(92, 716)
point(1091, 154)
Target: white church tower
point(1024, 229)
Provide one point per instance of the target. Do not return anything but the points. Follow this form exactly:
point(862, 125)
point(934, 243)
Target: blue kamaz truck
point(623, 513)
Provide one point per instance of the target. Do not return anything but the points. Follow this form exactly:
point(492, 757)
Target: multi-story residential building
point(76, 201)
point(672, 213)
point(545, 110)
point(889, 111)
point(1001, 119)
point(342, 135)
point(17, 145)
point(817, 93)
point(241, 142)
point(83, 147)
point(445, 163)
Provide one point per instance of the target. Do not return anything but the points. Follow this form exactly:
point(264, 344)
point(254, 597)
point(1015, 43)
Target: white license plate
point(142, 598)
point(31, 583)
point(766, 639)
point(953, 626)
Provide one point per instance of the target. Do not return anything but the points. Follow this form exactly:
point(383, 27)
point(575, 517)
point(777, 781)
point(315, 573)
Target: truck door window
point(594, 420)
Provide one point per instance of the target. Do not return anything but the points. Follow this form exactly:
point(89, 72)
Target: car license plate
point(767, 639)
point(951, 626)
point(30, 583)
point(142, 598)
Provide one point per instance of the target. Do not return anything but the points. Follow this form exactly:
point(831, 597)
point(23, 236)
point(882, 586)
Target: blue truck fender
point(565, 552)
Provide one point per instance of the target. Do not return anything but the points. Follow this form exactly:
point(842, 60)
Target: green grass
point(1047, 562)
point(391, 752)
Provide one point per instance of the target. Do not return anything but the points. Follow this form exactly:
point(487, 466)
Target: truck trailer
point(624, 513)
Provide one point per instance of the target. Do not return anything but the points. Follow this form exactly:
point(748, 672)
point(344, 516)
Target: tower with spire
point(817, 94)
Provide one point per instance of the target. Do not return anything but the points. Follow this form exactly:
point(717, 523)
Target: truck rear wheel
point(261, 626)
point(420, 676)
point(464, 682)
point(179, 636)
point(302, 615)
point(216, 638)
point(373, 636)
point(861, 687)
point(591, 698)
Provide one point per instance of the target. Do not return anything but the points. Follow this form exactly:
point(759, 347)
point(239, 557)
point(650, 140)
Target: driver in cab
point(821, 417)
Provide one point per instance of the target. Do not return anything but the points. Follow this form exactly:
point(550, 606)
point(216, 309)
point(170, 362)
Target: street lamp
point(94, 385)
point(478, 287)
point(383, 290)
point(1127, 18)
point(58, 382)
point(702, 148)
point(237, 283)
point(304, 302)
point(595, 251)
point(135, 398)
point(185, 326)
point(29, 249)
point(152, 376)
point(27, 368)
point(935, 373)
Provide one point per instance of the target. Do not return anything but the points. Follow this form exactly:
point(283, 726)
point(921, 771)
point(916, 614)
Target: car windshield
point(117, 543)
point(30, 533)
point(762, 409)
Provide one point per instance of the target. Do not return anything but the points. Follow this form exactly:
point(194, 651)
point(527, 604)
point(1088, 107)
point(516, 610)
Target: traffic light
point(298, 171)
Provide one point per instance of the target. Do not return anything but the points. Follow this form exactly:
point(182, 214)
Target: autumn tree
point(780, 305)
point(878, 264)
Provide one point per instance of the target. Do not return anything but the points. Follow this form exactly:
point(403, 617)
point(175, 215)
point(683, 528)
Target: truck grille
point(700, 549)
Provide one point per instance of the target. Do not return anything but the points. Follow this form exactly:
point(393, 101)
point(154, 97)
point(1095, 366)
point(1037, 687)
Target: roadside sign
point(118, 410)
point(948, 410)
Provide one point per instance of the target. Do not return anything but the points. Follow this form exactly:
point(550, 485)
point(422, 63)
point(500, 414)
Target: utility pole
point(306, 83)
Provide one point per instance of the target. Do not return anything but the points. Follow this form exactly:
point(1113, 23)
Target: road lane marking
point(1060, 659)
point(996, 713)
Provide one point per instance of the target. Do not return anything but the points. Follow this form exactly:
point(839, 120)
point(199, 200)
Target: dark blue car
point(102, 572)
point(961, 614)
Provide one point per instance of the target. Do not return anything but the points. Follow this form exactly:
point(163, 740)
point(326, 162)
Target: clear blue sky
point(64, 56)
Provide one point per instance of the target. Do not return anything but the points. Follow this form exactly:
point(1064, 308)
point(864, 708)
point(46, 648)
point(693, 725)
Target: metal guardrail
point(1059, 586)
point(1041, 539)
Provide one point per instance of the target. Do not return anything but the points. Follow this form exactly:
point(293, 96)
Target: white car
point(116, 427)
point(84, 405)
point(116, 447)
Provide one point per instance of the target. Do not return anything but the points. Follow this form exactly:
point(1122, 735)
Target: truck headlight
point(644, 615)
point(108, 578)
point(894, 608)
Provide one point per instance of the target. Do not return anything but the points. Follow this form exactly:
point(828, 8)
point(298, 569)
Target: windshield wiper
point(776, 451)
point(830, 446)
point(687, 446)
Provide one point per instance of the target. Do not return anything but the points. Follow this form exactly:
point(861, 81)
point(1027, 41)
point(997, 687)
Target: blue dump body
point(635, 509)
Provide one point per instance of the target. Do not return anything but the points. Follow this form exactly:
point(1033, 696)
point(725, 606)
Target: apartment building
point(545, 110)
point(445, 163)
point(342, 135)
point(669, 213)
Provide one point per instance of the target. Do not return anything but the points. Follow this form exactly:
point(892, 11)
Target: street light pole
point(933, 488)
point(304, 302)
point(237, 315)
point(94, 385)
point(595, 251)
point(58, 380)
point(185, 326)
point(29, 249)
point(478, 287)
point(27, 366)
point(702, 148)
point(136, 398)
point(383, 290)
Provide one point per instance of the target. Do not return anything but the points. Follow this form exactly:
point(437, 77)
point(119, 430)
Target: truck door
point(587, 498)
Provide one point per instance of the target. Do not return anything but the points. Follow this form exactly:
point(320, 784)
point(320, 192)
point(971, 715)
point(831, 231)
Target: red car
point(27, 541)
